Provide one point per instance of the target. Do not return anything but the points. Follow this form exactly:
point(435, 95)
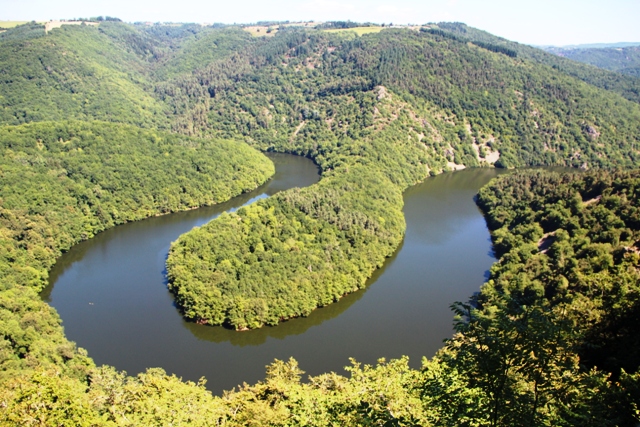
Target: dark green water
point(111, 292)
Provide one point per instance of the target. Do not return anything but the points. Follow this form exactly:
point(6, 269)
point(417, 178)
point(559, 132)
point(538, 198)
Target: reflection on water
point(111, 292)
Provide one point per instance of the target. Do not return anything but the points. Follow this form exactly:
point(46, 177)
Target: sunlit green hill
point(109, 123)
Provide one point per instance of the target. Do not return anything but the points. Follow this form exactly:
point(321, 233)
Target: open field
point(358, 30)
point(11, 24)
point(262, 30)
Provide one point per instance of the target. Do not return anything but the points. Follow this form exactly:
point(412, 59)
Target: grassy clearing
point(358, 30)
point(261, 30)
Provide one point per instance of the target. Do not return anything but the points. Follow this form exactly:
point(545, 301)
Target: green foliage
point(152, 398)
point(33, 339)
point(109, 398)
point(587, 257)
point(25, 31)
point(313, 92)
point(497, 48)
point(625, 85)
point(203, 48)
point(550, 332)
point(386, 394)
point(46, 398)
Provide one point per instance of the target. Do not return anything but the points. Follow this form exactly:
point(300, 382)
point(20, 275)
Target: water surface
point(111, 292)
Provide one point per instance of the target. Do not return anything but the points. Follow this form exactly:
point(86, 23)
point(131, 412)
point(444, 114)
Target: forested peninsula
point(111, 123)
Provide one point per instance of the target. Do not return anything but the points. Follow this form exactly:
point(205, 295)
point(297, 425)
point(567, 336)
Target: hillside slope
point(74, 72)
point(627, 86)
point(310, 91)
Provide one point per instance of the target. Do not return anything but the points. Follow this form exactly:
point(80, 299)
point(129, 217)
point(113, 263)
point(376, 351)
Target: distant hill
point(622, 58)
point(551, 48)
point(626, 86)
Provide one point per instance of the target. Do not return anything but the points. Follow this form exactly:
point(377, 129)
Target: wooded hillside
point(116, 122)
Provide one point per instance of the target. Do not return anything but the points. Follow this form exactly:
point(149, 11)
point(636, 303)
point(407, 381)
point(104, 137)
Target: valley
point(113, 123)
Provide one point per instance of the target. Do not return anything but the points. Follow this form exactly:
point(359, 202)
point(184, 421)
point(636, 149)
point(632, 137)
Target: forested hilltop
point(377, 113)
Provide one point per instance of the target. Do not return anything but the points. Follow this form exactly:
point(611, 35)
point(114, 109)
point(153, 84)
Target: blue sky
point(557, 22)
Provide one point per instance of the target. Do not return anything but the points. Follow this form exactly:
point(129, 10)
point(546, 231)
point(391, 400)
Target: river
point(111, 291)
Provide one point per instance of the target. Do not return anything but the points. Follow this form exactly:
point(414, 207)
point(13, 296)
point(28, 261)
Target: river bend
point(112, 296)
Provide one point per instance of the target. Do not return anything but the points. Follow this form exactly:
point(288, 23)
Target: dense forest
point(63, 182)
point(577, 238)
point(545, 342)
point(564, 293)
